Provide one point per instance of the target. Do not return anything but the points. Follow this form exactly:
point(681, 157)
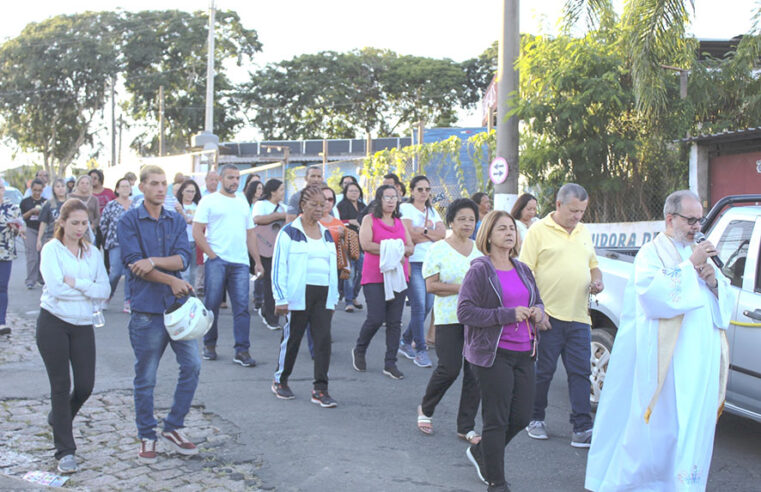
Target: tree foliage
point(168, 48)
point(53, 82)
point(340, 95)
point(55, 77)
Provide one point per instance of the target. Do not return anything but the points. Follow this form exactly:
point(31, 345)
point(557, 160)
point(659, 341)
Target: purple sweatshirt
point(480, 308)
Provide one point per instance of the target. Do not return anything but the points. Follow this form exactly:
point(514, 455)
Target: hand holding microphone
point(708, 249)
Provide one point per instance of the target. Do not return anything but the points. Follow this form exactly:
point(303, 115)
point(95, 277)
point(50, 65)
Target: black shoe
point(358, 361)
point(393, 372)
point(323, 399)
point(282, 391)
point(475, 458)
point(209, 352)
point(5, 330)
point(244, 359)
point(257, 307)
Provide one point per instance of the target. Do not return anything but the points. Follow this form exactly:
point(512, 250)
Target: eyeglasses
point(330, 199)
point(390, 198)
point(421, 190)
point(693, 220)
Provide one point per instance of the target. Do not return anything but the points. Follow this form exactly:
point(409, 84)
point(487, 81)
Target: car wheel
point(602, 344)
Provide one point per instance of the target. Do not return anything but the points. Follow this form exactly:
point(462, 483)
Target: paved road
point(370, 441)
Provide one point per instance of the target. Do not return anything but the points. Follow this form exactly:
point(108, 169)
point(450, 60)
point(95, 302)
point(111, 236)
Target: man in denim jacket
point(155, 248)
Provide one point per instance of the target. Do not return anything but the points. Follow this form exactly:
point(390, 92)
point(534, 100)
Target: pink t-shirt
point(371, 273)
point(515, 336)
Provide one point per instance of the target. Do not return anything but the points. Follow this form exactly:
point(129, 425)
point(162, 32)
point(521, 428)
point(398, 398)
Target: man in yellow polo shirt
point(559, 251)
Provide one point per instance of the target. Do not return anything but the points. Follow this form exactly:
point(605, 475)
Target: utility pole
point(506, 193)
point(206, 139)
point(324, 158)
point(161, 120)
point(113, 120)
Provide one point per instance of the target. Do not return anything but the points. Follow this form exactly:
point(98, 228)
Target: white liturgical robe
point(670, 451)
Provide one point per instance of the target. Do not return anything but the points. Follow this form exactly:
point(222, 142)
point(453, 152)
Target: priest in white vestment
point(666, 379)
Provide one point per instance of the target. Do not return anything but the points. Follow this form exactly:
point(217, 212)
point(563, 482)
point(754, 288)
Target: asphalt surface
point(370, 442)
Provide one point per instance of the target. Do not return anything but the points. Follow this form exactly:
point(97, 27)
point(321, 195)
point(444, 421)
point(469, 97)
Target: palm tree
point(655, 34)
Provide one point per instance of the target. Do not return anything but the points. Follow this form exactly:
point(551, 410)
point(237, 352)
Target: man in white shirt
point(224, 230)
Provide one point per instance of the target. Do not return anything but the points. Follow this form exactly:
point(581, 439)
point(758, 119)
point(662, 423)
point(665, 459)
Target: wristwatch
point(425, 231)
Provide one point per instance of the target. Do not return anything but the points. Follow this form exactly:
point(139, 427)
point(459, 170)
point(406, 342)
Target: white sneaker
point(537, 430)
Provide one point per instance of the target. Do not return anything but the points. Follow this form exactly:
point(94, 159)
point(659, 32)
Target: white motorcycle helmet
point(189, 320)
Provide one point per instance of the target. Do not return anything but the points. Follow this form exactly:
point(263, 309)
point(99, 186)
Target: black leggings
point(507, 397)
point(62, 344)
point(449, 341)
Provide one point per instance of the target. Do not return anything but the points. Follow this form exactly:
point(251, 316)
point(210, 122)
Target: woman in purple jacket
point(499, 305)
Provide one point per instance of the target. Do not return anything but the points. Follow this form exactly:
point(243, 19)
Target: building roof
point(726, 136)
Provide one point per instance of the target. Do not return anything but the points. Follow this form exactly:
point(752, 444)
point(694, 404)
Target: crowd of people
point(496, 282)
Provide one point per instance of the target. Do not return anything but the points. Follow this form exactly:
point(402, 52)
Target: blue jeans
point(218, 276)
point(352, 283)
point(571, 340)
point(189, 275)
point(5, 276)
point(421, 303)
point(117, 270)
point(149, 340)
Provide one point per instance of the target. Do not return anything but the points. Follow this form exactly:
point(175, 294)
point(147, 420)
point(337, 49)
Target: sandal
point(349, 308)
point(358, 305)
point(424, 422)
point(472, 437)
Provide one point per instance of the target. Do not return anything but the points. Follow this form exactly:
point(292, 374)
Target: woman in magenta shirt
point(499, 304)
point(381, 225)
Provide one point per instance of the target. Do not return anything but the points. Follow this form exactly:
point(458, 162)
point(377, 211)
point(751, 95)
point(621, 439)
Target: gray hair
point(228, 167)
point(572, 190)
point(673, 203)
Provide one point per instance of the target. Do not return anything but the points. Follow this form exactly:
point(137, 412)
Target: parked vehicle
point(735, 229)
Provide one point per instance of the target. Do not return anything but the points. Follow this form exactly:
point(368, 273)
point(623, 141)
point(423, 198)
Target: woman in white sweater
point(76, 283)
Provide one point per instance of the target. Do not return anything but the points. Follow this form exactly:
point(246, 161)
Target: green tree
point(339, 95)
point(53, 80)
point(168, 48)
point(582, 125)
point(655, 33)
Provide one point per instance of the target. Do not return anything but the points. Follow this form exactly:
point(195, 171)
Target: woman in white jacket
point(75, 284)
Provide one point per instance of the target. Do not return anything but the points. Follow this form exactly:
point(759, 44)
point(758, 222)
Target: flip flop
point(472, 437)
point(424, 422)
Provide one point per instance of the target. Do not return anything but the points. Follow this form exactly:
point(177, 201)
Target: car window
point(733, 249)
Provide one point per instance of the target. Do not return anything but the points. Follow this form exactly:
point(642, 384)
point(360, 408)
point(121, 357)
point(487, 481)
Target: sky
point(434, 28)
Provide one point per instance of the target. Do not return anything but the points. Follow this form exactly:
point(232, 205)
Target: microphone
point(699, 238)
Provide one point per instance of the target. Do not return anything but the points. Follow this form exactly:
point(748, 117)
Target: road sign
point(498, 170)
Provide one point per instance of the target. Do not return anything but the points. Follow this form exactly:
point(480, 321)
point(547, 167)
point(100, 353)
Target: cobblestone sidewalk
point(107, 447)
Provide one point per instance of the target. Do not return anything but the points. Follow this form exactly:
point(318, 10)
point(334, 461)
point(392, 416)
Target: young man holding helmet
point(155, 248)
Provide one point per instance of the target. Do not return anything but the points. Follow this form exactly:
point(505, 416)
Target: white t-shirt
point(318, 260)
point(266, 207)
point(227, 219)
point(417, 217)
point(190, 211)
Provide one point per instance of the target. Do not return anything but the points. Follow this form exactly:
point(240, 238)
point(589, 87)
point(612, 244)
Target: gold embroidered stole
point(668, 332)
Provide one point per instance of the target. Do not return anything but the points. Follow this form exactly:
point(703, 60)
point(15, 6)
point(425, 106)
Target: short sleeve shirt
point(266, 207)
point(48, 215)
point(227, 221)
point(409, 211)
point(27, 204)
point(561, 263)
point(451, 266)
